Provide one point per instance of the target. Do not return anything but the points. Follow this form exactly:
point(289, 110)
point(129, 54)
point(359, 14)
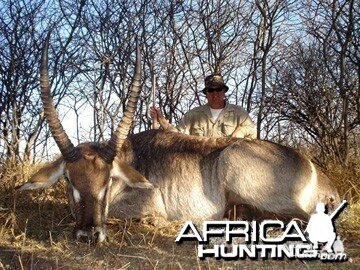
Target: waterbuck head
point(89, 168)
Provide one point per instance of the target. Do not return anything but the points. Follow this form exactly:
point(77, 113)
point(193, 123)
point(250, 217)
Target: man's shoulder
point(236, 108)
point(197, 110)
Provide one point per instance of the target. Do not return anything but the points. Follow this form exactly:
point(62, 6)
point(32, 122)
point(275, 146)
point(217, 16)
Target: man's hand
point(242, 132)
point(156, 115)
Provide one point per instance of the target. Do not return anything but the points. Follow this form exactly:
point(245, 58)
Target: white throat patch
point(102, 194)
point(76, 195)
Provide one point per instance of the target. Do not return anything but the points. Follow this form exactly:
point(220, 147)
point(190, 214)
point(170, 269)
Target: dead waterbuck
point(174, 175)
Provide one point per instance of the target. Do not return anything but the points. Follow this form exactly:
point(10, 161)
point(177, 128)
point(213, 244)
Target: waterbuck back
point(199, 178)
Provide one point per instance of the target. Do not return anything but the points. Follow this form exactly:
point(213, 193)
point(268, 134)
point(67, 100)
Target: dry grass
point(36, 233)
point(347, 182)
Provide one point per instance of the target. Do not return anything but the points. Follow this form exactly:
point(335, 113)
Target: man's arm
point(183, 127)
point(156, 115)
point(246, 127)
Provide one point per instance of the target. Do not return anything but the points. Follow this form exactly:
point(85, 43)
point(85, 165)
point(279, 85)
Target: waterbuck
point(174, 175)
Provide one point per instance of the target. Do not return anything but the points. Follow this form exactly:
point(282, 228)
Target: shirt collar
point(206, 107)
point(206, 110)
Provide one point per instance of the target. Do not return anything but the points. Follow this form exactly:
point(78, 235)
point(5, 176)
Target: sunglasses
point(211, 90)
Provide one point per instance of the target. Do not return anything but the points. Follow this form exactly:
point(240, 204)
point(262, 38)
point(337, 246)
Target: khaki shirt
point(232, 121)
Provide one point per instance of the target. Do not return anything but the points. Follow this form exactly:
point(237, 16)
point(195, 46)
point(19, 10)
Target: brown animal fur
point(197, 178)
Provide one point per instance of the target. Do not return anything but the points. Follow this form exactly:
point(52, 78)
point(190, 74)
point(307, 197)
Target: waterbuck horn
point(123, 128)
point(67, 149)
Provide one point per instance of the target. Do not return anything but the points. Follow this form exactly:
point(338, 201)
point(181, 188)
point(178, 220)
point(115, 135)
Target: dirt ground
point(36, 233)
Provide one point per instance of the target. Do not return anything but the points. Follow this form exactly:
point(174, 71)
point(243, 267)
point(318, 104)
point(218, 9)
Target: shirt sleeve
point(246, 127)
point(183, 126)
point(249, 128)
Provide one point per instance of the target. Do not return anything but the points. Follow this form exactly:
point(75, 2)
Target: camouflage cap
point(214, 82)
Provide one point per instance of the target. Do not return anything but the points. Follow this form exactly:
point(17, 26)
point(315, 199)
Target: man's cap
point(213, 82)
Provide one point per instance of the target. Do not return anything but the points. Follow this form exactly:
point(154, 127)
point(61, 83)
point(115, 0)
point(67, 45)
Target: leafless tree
point(334, 25)
point(22, 32)
point(18, 74)
point(310, 98)
point(294, 65)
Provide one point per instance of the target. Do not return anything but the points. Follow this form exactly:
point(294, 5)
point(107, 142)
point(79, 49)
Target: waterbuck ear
point(129, 175)
point(46, 176)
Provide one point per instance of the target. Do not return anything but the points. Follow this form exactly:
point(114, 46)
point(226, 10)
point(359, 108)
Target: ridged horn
point(122, 130)
point(67, 149)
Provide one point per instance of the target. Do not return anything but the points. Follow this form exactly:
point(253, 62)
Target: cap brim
point(224, 86)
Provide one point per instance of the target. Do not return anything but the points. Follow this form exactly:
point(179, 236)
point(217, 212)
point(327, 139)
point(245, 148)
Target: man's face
point(216, 98)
